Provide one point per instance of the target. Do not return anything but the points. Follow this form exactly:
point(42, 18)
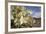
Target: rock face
point(21, 18)
point(36, 22)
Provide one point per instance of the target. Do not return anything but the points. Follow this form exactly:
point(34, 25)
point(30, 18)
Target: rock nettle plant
point(21, 17)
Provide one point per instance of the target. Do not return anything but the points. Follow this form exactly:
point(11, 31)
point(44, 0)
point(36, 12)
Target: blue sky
point(36, 11)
